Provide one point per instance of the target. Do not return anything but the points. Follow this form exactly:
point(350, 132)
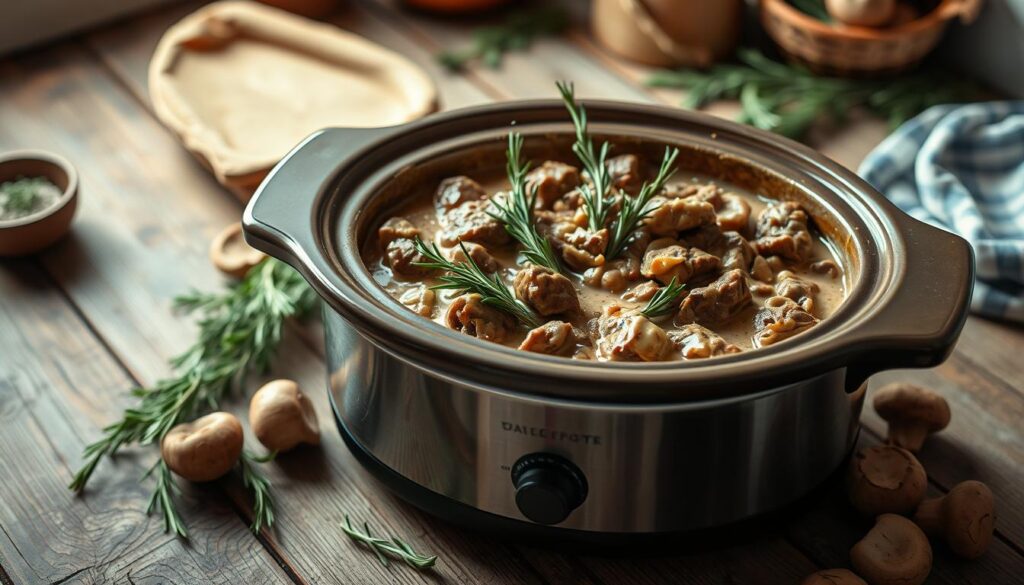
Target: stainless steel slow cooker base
point(641, 468)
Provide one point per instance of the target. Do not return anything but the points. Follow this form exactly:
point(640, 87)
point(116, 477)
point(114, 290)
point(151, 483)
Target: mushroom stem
point(908, 434)
point(929, 516)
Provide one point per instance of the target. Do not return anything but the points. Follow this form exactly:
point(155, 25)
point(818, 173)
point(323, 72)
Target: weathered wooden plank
point(57, 386)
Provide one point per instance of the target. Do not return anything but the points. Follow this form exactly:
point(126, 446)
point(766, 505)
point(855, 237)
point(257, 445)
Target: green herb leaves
point(596, 200)
point(259, 487)
point(636, 209)
point(162, 498)
point(468, 277)
point(664, 301)
point(787, 99)
point(393, 547)
point(516, 211)
point(517, 33)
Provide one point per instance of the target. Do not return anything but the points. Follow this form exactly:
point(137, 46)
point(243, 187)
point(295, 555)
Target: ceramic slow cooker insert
point(531, 444)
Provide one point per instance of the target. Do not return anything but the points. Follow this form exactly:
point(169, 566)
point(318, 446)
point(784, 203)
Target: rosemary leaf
point(163, 498)
point(259, 487)
point(789, 99)
point(239, 331)
point(663, 301)
point(467, 277)
point(636, 209)
point(393, 547)
point(516, 211)
point(596, 200)
point(516, 33)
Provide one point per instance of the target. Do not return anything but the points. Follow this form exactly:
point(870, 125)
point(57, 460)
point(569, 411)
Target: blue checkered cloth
point(961, 168)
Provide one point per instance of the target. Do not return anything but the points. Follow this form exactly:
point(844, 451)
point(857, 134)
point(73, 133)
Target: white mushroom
point(282, 416)
point(894, 552)
point(912, 412)
point(231, 255)
point(885, 478)
point(204, 449)
point(965, 518)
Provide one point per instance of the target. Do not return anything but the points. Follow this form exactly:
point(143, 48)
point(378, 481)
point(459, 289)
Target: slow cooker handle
point(280, 219)
point(920, 324)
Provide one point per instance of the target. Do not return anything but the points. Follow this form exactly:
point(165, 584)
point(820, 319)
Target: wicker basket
point(854, 50)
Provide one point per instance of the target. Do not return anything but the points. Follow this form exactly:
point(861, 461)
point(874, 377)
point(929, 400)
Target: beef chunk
point(546, 292)
point(709, 193)
point(779, 319)
point(666, 258)
point(581, 249)
point(624, 171)
point(734, 250)
point(672, 216)
point(630, 337)
point(470, 222)
point(571, 201)
point(477, 253)
point(454, 191)
point(420, 300)
point(733, 213)
point(696, 342)
point(552, 180)
point(716, 302)
point(402, 257)
point(782, 231)
point(552, 338)
point(614, 276)
point(642, 292)
point(395, 228)
point(761, 270)
point(795, 288)
point(470, 315)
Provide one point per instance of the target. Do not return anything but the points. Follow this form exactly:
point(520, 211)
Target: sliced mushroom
point(204, 449)
point(833, 577)
point(965, 518)
point(912, 412)
point(282, 416)
point(894, 552)
point(885, 478)
point(231, 255)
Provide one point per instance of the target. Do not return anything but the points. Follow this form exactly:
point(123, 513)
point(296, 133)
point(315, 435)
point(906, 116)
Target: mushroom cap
point(833, 577)
point(894, 552)
point(885, 478)
point(282, 416)
point(910, 403)
point(204, 449)
point(965, 518)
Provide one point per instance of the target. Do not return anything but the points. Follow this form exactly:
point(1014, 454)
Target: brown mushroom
point(965, 518)
point(204, 449)
point(894, 552)
point(912, 412)
point(231, 255)
point(833, 577)
point(885, 478)
point(282, 416)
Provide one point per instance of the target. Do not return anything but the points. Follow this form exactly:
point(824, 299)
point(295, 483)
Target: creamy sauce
point(739, 330)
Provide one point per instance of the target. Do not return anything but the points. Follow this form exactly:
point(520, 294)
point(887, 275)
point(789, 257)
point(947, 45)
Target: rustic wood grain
point(58, 385)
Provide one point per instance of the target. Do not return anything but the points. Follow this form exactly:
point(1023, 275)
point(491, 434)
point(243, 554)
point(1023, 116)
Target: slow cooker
point(541, 446)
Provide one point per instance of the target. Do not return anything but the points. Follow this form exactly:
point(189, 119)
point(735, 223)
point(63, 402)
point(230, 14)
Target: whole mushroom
point(282, 416)
point(912, 413)
point(861, 12)
point(885, 478)
point(833, 577)
point(894, 552)
point(204, 449)
point(965, 518)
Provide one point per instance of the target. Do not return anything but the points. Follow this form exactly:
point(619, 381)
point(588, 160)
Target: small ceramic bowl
point(34, 232)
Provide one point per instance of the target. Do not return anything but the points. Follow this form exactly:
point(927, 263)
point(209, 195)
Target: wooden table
point(91, 317)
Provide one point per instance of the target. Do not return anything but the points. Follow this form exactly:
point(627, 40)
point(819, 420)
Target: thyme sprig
point(636, 209)
point(162, 498)
point(239, 331)
point(663, 301)
point(597, 201)
point(259, 487)
point(788, 98)
point(467, 277)
point(516, 210)
point(516, 33)
point(383, 548)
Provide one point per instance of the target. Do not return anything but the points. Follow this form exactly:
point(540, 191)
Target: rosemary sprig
point(516, 211)
point(259, 487)
point(517, 33)
point(787, 99)
point(239, 330)
point(468, 277)
point(383, 548)
point(636, 209)
point(163, 499)
point(22, 194)
point(597, 202)
point(663, 301)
